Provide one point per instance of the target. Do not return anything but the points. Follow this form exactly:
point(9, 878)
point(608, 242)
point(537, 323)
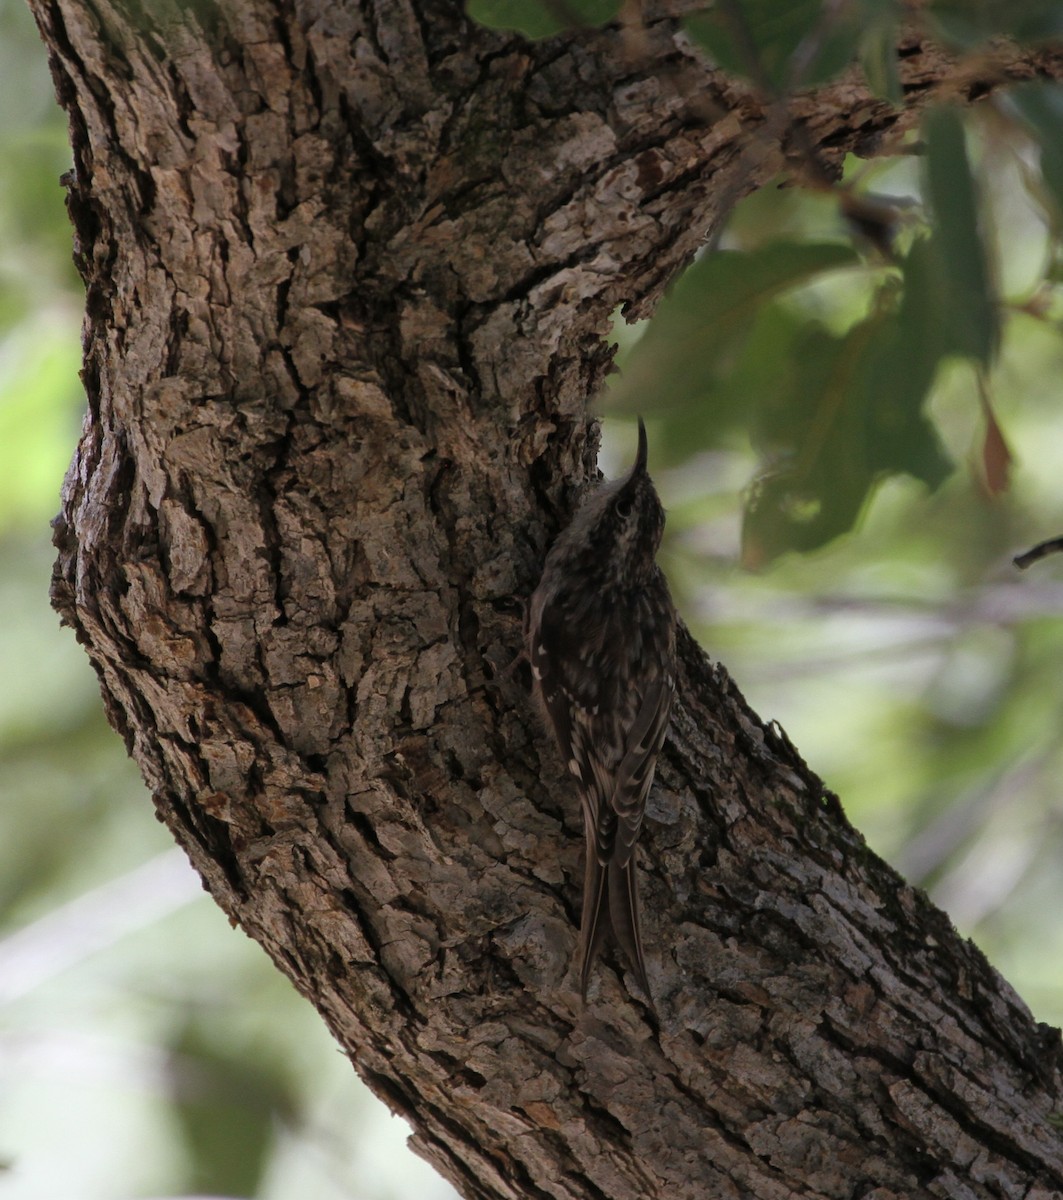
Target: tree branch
point(348, 272)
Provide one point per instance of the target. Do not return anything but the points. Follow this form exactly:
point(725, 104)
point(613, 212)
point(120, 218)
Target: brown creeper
point(601, 643)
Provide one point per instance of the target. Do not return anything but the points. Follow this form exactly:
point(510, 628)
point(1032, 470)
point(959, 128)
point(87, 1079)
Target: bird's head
point(621, 523)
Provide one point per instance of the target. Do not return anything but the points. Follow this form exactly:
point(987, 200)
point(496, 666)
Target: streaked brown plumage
point(601, 643)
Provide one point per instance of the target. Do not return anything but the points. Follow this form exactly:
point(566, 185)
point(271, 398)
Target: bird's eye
point(623, 507)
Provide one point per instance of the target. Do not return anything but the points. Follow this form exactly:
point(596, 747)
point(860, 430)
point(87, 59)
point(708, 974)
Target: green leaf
point(878, 55)
point(959, 274)
point(846, 414)
point(699, 330)
point(780, 46)
point(900, 367)
point(228, 1119)
point(968, 23)
point(542, 18)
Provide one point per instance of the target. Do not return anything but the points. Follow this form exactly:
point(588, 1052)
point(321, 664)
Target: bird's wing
point(551, 646)
point(634, 776)
point(613, 807)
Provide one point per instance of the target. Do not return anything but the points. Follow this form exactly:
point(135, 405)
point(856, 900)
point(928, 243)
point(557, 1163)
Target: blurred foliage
point(785, 47)
point(831, 374)
point(812, 384)
point(968, 24)
point(542, 18)
point(792, 45)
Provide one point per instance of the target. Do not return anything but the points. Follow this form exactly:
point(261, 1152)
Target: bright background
point(147, 1049)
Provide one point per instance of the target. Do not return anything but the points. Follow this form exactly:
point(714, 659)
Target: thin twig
point(1041, 550)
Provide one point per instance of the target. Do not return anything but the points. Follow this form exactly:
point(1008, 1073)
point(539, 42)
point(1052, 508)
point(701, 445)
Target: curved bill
point(643, 452)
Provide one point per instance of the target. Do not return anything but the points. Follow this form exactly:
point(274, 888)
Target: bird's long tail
point(624, 916)
point(611, 900)
point(594, 920)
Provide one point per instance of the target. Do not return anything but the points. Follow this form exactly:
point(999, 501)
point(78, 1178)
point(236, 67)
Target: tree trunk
point(349, 267)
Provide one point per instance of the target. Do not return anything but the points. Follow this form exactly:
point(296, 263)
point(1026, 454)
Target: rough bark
point(348, 270)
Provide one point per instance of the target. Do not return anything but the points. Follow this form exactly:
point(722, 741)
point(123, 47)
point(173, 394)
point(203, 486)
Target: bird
point(600, 641)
